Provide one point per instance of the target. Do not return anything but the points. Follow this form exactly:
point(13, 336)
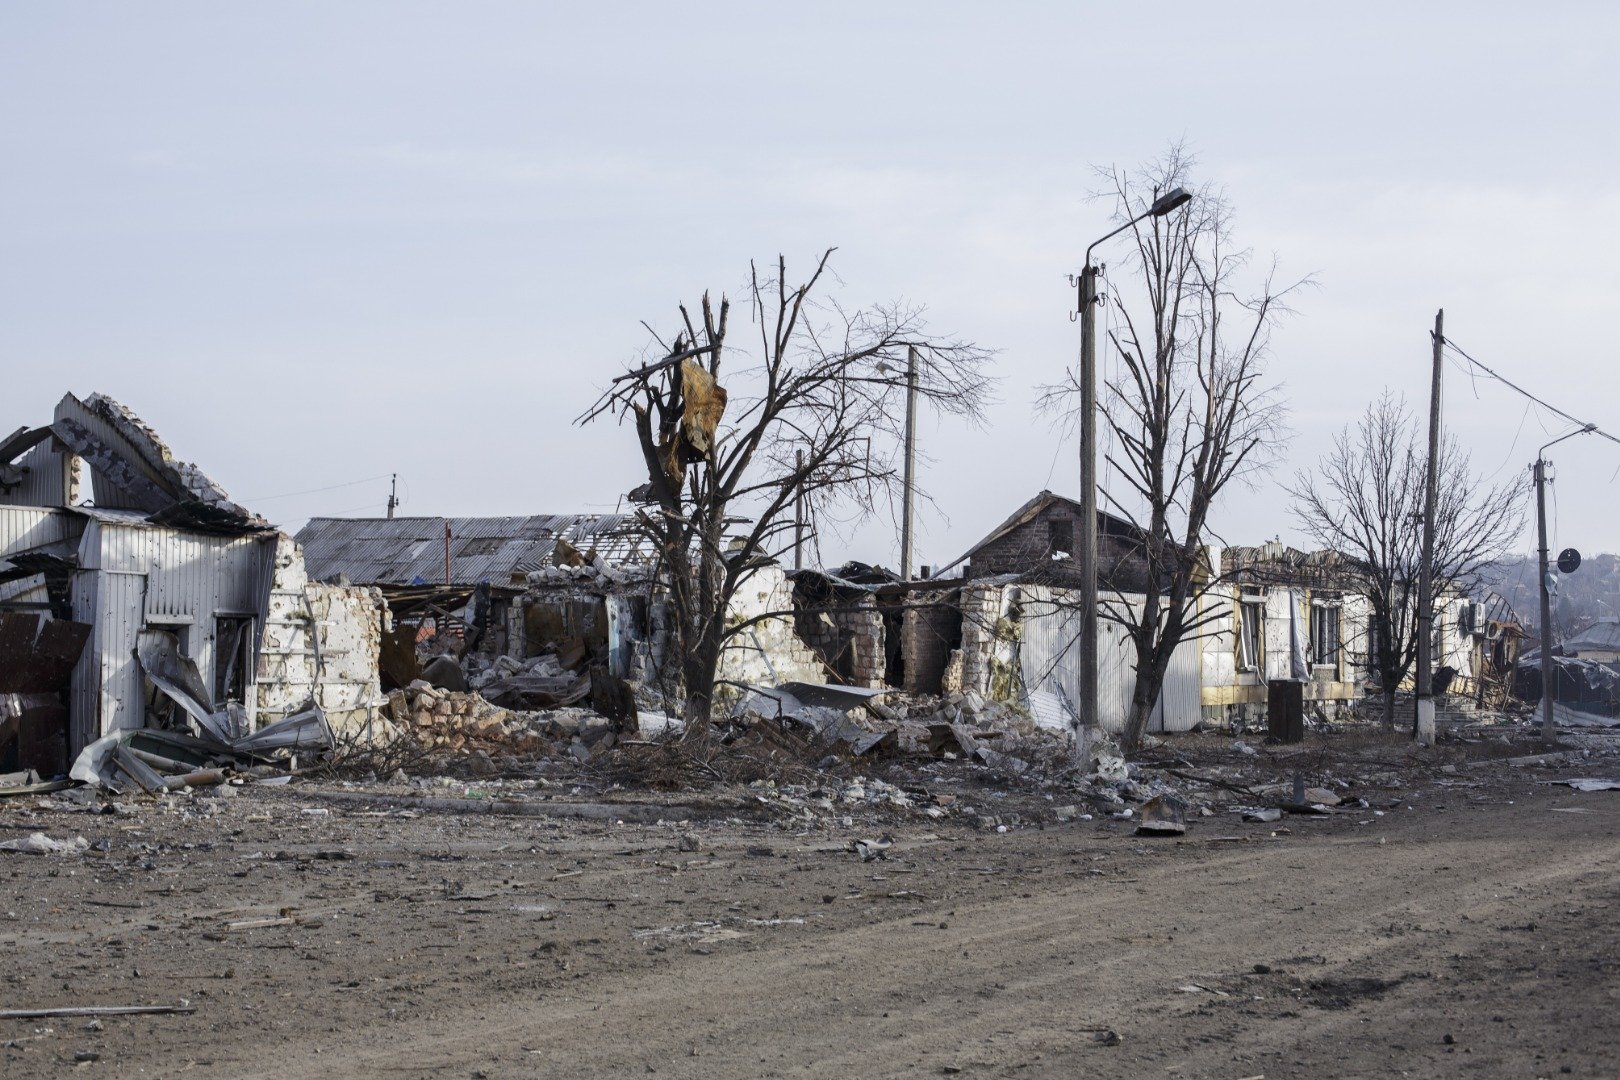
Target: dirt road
point(1467, 936)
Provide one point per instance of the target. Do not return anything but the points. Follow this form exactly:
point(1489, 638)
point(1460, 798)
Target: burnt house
point(1041, 542)
point(103, 528)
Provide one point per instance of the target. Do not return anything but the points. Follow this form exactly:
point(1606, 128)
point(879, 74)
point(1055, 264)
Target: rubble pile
point(547, 681)
point(449, 722)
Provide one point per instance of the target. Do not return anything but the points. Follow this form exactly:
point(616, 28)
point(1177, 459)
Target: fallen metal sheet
point(176, 674)
point(308, 729)
point(1564, 716)
point(828, 695)
point(36, 657)
point(1590, 784)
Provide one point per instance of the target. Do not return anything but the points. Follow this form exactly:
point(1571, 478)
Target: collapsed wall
point(768, 651)
point(321, 643)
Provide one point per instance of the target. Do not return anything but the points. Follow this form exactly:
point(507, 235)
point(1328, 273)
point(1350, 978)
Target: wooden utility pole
point(1423, 723)
point(447, 577)
point(393, 493)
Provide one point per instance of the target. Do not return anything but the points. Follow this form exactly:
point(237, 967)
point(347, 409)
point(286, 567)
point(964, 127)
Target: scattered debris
point(40, 844)
point(1163, 815)
point(1590, 784)
point(96, 1010)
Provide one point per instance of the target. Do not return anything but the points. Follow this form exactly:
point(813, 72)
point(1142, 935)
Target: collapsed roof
point(412, 550)
point(133, 469)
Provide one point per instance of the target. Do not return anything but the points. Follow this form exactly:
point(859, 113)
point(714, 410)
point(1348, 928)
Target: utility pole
point(393, 497)
point(447, 575)
point(1423, 725)
point(1087, 718)
point(911, 463)
point(798, 511)
point(1548, 729)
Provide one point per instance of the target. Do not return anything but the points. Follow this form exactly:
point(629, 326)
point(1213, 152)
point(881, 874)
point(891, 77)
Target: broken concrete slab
point(1163, 815)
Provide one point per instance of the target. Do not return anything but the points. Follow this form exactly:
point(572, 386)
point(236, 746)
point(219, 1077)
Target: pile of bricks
point(449, 722)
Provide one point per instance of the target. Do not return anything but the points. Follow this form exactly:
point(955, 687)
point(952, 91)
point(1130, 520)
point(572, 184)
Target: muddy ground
point(1463, 922)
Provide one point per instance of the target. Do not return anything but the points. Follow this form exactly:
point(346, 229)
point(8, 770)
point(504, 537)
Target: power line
point(1514, 386)
point(316, 491)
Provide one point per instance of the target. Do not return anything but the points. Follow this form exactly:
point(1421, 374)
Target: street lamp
point(1087, 717)
point(1548, 728)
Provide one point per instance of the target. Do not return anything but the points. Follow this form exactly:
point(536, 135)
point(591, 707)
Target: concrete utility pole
point(1549, 729)
point(1087, 716)
point(1087, 719)
point(911, 463)
point(393, 489)
point(1423, 723)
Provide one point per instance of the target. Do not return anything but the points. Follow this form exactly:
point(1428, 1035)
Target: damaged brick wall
point(769, 651)
point(989, 648)
point(931, 629)
point(321, 643)
point(862, 633)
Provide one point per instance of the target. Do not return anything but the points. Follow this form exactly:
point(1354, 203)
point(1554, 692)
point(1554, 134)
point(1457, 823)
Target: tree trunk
point(1389, 709)
point(1136, 724)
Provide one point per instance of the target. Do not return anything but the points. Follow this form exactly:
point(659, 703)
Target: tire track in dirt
point(1005, 986)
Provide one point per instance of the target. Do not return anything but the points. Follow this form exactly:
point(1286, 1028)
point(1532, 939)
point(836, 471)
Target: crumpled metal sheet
point(36, 658)
point(176, 674)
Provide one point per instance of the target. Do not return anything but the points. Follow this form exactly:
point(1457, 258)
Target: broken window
point(1251, 633)
point(1060, 535)
point(1325, 636)
point(233, 653)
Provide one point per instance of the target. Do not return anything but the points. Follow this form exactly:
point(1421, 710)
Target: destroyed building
point(582, 587)
point(104, 530)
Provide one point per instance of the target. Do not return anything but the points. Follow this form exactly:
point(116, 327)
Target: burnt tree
point(1365, 501)
point(733, 433)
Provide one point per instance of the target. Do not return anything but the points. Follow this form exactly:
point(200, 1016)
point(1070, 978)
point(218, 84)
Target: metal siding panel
point(46, 481)
point(84, 701)
point(26, 527)
point(1179, 701)
point(120, 608)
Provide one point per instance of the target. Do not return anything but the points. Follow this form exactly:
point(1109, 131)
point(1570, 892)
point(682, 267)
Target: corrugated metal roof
point(400, 551)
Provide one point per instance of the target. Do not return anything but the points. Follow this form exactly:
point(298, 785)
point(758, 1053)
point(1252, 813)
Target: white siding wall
point(134, 576)
point(1050, 662)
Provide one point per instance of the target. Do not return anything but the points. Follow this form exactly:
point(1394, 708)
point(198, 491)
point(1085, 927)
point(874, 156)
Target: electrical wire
point(1595, 430)
point(316, 491)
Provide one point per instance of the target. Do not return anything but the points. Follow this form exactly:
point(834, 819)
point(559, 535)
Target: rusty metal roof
point(410, 550)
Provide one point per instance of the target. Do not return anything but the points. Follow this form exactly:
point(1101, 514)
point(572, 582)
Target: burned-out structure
point(494, 586)
point(103, 528)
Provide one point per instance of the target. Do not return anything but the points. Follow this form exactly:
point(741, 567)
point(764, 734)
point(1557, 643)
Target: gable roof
point(1107, 524)
point(407, 550)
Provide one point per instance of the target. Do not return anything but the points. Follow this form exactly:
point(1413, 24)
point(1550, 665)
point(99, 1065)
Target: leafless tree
point(1365, 501)
point(814, 408)
point(1190, 408)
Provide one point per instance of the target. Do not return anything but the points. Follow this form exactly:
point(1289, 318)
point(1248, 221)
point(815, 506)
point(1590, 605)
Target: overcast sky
point(318, 243)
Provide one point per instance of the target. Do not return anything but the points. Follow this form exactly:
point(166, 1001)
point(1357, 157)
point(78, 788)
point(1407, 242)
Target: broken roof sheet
point(400, 551)
point(133, 469)
point(1601, 636)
